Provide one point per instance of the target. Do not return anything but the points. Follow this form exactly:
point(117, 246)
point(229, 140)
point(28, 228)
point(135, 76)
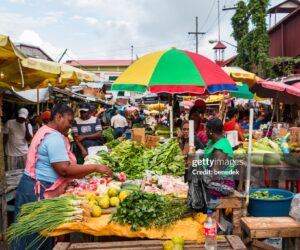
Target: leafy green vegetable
point(165, 159)
point(112, 143)
point(265, 195)
point(129, 155)
point(108, 134)
point(148, 210)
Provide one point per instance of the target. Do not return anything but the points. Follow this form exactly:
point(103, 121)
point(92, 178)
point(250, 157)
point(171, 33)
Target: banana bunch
point(295, 147)
point(158, 107)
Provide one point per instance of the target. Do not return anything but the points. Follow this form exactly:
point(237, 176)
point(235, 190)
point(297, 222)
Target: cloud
point(31, 37)
point(16, 1)
point(91, 21)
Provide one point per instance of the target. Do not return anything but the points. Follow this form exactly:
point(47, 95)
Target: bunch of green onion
point(42, 215)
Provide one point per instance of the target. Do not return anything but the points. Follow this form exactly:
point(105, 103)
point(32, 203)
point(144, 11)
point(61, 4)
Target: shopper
point(119, 124)
point(17, 135)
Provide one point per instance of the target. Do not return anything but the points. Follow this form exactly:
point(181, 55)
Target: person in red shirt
point(233, 124)
point(197, 114)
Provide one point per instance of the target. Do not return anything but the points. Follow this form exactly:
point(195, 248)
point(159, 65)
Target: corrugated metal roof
point(99, 63)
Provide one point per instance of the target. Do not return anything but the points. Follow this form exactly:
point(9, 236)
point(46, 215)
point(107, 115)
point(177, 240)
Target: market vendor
point(50, 165)
point(87, 132)
point(233, 124)
point(218, 158)
point(183, 138)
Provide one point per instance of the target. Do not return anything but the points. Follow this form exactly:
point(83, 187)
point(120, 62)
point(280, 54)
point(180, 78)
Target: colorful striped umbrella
point(174, 71)
point(240, 75)
point(243, 91)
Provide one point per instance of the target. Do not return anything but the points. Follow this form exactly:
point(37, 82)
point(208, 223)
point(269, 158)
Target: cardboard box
point(138, 135)
point(152, 141)
point(295, 134)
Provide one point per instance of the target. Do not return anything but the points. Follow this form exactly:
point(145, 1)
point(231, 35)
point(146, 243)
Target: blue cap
point(209, 211)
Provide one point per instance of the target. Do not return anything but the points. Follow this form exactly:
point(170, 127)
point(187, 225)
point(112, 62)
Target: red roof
point(99, 62)
point(220, 45)
point(288, 17)
point(285, 7)
point(228, 61)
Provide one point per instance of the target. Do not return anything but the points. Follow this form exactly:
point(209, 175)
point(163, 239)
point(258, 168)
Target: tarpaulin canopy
point(23, 72)
point(174, 71)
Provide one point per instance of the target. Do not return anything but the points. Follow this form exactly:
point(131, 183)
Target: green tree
point(260, 40)
point(252, 46)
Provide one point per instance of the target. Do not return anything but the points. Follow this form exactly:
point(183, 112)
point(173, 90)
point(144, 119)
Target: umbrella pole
point(248, 173)
point(38, 101)
point(273, 114)
point(171, 117)
point(21, 72)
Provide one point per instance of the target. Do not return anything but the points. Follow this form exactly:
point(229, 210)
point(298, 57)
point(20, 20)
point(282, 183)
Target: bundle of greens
point(148, 210)
point(46, 214)
point(165, 159)
point(108, 134)
point(129, 155)
point(103, 158)
point(112, 143)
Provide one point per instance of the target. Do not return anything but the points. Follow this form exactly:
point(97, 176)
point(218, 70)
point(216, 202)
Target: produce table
point(12, 179)
point(237, 203)
point(188, 228)
point(255, 228)
point(229, 242)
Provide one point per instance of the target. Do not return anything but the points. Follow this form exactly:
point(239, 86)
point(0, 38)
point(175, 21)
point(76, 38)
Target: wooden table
point(12, 179)
point(237, 203)
point(229, 242)
point(255, 228)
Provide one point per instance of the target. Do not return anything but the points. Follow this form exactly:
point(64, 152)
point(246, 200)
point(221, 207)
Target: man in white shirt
point(17, 134)
point(119, 124)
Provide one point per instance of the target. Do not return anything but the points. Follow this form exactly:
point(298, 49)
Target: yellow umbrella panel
point(240, 75)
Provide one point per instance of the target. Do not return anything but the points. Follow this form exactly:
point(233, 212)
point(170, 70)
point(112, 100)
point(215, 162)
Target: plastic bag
point(295, 208)
point(197, 196)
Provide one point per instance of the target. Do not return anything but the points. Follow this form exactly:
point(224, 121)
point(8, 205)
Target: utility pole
point(196, 34)
point(219, 32)
point(61, 57)
point(131, 54)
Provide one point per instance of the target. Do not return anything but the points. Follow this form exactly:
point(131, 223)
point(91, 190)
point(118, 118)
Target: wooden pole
point(38, 101)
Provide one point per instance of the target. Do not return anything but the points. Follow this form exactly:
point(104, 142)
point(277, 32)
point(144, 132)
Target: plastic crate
point(270, 208)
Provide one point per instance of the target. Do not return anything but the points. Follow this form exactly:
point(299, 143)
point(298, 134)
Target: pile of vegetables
point(103, 158)
point(112, 143)
point(46, 214)
point(266, 152)
point(265, 195)
point(108, 134)
point(148, 210)
point(133, 159)
point(129, 155)
point(162, 131)
point(166, 159)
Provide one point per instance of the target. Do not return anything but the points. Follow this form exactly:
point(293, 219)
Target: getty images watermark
point(223, 164)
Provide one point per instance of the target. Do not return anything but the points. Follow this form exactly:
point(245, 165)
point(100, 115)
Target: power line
point(209, 13)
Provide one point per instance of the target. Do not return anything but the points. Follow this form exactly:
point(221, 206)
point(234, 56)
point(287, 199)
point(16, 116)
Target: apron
point(61, 183)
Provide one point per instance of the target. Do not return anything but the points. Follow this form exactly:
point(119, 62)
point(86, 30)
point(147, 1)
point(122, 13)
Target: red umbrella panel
point(282, 92)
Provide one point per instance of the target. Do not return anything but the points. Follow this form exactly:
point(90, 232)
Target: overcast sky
point(106, 29)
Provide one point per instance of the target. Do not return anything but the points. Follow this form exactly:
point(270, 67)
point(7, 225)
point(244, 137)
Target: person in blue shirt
point(87, 132)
